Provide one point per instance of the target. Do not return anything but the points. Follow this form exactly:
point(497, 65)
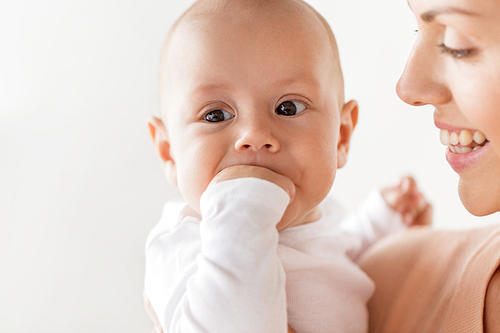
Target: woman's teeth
point(468, 142)
point(479, 137)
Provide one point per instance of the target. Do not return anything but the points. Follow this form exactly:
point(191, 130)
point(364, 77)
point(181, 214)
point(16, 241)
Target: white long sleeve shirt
point(229, 270)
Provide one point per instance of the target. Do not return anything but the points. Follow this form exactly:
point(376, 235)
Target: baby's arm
point(386, 211)
point(235, 281)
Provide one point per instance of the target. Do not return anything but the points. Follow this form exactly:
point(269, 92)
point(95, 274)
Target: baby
point(254, 126)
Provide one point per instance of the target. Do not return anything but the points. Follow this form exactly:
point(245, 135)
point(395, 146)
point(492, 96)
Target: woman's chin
point(477, 202)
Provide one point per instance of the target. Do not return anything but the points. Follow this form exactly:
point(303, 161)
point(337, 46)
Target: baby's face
point(253, 92)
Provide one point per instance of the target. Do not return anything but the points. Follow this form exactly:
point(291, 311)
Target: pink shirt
point(431, 280)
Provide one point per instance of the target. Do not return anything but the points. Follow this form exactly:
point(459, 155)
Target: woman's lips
point(460, 161)
point(465, 146)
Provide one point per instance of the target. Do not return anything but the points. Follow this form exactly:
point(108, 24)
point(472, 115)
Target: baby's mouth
point(460, 142)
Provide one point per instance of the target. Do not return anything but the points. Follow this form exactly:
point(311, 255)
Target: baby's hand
point(406, 199)
point(250, 171)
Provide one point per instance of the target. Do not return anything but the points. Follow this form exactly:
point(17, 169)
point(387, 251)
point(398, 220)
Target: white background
point(80, 185)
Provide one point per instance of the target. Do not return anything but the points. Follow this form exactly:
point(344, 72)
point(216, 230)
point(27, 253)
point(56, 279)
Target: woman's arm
point(492, 305)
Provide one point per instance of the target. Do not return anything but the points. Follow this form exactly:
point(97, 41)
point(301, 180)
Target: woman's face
point(455, 66)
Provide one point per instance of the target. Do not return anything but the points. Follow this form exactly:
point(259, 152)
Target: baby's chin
point(288, 221)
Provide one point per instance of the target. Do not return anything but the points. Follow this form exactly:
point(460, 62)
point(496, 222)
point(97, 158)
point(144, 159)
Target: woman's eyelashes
point(457, 54)
point(290, 108)
point(216, 116)
point(456, 43)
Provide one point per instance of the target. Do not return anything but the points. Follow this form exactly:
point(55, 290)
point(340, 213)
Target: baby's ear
point(348, 121)
point(160, 141)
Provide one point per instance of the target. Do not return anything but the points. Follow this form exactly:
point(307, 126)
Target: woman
point(442, 281)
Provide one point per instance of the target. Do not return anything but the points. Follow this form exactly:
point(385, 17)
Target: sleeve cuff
point(246, 193)
point(384, 219)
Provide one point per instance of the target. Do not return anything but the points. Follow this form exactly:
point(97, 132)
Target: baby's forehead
point(257, 8)
point(239, 24)
point(253, 14)
point(216, 21)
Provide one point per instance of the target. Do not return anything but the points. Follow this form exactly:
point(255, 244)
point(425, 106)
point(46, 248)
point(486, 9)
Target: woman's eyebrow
point(431, 14)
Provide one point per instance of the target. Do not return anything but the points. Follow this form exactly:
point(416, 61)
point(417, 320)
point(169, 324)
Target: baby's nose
point(257, 137)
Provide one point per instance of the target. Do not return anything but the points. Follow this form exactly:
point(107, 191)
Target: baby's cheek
point(191, 189)
point(193, 200)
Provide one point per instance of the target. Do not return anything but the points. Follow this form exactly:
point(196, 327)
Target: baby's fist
point(251, 171)
point(406, 199)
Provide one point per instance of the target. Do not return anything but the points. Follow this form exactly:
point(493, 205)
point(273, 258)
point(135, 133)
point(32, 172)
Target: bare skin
point(250, 129)
point(455, 67)
point(405, 198)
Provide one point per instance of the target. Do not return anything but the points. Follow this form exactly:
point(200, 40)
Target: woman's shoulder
point(433, 280)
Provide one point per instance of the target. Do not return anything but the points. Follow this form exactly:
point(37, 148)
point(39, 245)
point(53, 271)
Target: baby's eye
point(290, 108)
point(217, 116)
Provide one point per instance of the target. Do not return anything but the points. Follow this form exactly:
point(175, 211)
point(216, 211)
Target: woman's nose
point(422, 80)
point(257, 135)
